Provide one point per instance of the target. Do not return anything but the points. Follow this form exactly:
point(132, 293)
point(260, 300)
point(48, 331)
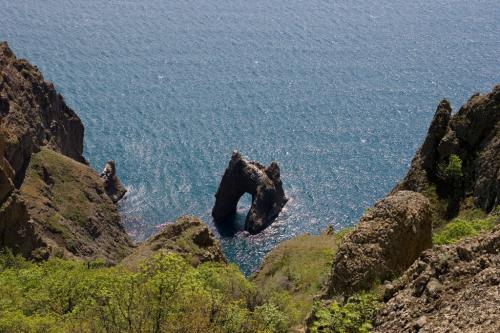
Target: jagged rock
point(473, 134)
point(33, 114)
point(112, 184)
point(435, 134)
point(388, 238)
point(188, 237)
point(263, 183)
point(452, 288)
point(17, 230)
point(6, 172)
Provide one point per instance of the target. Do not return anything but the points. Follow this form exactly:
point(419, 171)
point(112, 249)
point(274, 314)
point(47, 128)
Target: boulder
point(188, 237)
point(386, 241)
point(263, 183)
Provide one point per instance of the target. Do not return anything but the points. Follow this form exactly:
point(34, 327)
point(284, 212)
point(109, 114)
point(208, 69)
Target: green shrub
point(460, 228)
point(166, 295)
point(355, 316)
point(454, 168)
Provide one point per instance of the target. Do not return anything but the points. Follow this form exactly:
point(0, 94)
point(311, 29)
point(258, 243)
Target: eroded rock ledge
point(263, 183)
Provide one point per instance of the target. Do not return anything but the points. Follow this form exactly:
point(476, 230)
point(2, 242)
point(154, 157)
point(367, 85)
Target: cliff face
point(33, 114)
point(456, 171)
point(51, 202)
point(458, 165)
point(472, 135)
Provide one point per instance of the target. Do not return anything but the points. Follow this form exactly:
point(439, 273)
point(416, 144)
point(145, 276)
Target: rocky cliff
point(456, 168)
point(452, 288)
point(460, 156)
point(51, 202)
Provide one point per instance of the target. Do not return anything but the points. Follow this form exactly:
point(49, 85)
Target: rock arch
point(263, 183)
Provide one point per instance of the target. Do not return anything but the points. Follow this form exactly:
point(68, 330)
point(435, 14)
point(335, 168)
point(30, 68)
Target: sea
point(339, 93)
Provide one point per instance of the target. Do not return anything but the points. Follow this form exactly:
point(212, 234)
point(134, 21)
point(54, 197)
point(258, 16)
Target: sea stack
point(263, 183)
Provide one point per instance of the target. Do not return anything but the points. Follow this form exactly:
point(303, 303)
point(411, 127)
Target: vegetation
point(355, 316)
point(52, 176)
point(438, 206)
point(166, 295)
point(294, 272)
point(469, 224)
point(67, 202)
point(454, 168)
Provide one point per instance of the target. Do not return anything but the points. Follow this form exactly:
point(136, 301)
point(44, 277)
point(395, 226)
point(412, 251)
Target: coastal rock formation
point(71, 211)
point(472, 135)
point(263, 183)
point(51, 202)
point(33, 114)
point(386, 241)
point(451, 288)
point(112, 184)
point(188, 236)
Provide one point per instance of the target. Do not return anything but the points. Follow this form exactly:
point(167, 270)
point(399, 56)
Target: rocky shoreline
point(52, 204)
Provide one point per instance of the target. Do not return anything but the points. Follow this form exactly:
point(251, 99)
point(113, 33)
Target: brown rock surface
point(453, 288)
point(33, 114)
point(112, 183)
point(386, 241)
point(17, 230)
point(263, 183)
point(473, 134)
point(188, 236)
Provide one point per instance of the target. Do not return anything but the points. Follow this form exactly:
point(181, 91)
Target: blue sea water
point(340, 93)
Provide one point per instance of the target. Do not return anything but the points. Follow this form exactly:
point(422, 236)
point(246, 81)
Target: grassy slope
point(294, 272)
point(67, 200)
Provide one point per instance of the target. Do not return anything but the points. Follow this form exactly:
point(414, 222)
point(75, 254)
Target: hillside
point(425, 258)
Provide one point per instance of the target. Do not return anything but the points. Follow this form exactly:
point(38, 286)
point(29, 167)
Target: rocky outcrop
point(472, 134)
point(263, 183)
point(33, 114)
point(386, 241)
point(51, 202)
point(71, 211)
point(452, 288)
point(112, 184)
point(17, 230)
point(188, 236)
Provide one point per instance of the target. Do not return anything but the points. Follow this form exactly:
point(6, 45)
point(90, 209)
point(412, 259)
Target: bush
point(460, 228)
point(166, 295)
point(355, 316)
point(454, 168)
